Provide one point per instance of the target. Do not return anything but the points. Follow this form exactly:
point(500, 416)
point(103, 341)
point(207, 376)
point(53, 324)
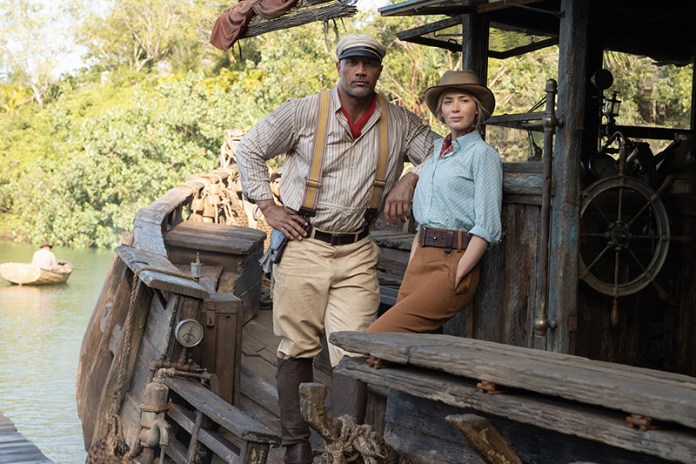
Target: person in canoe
point(45, 258)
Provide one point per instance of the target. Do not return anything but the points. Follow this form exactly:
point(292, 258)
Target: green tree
point(33, 37)
point(142, 33)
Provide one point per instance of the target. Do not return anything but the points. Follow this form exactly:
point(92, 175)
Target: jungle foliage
point(151, 108)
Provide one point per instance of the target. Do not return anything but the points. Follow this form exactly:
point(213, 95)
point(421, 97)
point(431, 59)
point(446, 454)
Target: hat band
point(367, 52)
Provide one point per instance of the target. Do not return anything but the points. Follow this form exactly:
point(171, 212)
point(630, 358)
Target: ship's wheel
point(624, 236)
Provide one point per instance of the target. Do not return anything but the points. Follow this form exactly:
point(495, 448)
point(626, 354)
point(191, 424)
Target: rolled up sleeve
point(272, 136)
point(488, 197)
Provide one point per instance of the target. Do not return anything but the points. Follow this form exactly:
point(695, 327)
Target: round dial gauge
point(603, 165)
point(188, 332)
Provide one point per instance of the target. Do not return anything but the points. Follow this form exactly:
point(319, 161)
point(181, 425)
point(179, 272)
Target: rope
point(127, 344)
point(359, 444)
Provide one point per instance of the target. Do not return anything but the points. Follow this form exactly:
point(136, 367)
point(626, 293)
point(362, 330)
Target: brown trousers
point(428, 297)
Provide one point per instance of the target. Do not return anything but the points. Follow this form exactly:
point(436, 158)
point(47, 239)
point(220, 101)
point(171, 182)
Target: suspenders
point(313, 181)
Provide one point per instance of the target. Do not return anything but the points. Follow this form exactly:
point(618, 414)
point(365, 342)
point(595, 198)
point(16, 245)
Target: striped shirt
point(349, 164)
point(462, 190)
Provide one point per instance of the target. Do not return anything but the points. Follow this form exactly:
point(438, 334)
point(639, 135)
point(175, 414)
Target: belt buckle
point(336, 239)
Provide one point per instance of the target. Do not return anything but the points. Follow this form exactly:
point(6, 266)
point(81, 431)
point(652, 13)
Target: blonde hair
point(480, 110)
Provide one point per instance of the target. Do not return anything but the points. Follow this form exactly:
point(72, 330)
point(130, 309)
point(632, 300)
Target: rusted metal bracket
point(640, 422)
point(485, 386)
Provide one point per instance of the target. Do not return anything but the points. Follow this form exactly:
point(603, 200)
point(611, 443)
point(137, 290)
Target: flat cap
point(362, 45)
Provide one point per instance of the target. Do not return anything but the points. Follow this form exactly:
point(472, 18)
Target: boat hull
point(28, 274)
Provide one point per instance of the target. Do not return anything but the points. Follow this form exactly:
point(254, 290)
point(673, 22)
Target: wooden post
point(484, 438)
point(475, 44)
point(565, 206)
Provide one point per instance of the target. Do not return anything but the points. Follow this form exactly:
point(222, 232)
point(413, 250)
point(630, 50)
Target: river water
point(41, 331)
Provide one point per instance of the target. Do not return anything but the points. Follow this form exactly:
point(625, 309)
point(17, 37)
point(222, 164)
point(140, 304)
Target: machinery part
point(624, 235)
point(188, 332)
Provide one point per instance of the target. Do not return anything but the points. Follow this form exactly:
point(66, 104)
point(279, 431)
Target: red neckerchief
point(356, 128)
point(447, 146)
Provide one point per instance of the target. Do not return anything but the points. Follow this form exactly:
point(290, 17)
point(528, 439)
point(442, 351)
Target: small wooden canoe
point(28, 274)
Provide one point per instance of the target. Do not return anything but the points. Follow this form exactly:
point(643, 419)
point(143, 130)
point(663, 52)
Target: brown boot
point(348, 396)
point(294, 429)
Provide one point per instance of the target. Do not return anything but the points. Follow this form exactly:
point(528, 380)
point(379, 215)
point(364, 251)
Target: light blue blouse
point(463, 190)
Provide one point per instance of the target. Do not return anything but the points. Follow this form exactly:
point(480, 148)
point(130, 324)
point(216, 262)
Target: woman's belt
point(443, 238)
point(339, 239)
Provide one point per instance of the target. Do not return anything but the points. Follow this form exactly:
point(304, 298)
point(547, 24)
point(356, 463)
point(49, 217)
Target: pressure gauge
point(188, 332)
point(603, 165)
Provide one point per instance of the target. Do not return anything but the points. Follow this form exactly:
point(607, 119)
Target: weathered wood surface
point(158, 273)
point(100, 342)
point(484, 438)
point(419, 427)
point(656, 394)
point(150, 222)
point(566, 417)
point(522, 178)
point(221, 412)
point(145, 343)
point(15, 448)
point(220, 238)
point(303, 16)
point(235, 249)
point(565, 205)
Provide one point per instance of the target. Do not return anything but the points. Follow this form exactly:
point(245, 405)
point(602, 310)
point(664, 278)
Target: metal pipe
point(550, 122)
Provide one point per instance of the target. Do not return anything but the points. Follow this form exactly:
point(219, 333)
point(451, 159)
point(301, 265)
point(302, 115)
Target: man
point(44, 258)
point(326, 280)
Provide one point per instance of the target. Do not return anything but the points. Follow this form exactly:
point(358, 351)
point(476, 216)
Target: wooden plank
point(220, 238)
point(222, 412)
point(656, 394)
point(229, 452)
point(260, 389)
point(589, 422)
point(158, 273)
point(420, 426)
point(565, 206)
point(15, 448)
point(416, 429)
point(484, 438)
point(322, 13)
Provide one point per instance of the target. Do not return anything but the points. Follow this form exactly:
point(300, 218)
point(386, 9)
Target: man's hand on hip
point(291, 224)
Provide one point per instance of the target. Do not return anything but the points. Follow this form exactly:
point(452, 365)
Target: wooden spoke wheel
point(624, 235)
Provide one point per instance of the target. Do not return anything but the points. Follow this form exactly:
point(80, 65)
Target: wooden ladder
point(237, 439)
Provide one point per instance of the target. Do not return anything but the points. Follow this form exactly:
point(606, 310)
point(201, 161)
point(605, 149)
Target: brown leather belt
point(339, 239)
point(443, 238)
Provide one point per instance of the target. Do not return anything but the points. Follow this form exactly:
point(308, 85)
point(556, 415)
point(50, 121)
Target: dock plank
point(15, 448)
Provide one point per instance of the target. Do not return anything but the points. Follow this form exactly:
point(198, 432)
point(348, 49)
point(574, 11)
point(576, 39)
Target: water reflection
point(41, 330)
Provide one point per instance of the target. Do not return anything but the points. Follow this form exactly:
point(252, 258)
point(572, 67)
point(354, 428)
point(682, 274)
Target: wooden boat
point(555, 362)
point(28, 274)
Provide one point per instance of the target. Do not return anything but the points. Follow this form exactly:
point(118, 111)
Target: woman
point(457, 205)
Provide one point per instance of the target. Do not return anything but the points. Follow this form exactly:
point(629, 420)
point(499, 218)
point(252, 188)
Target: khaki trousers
point(428, 297)
point(320, 289)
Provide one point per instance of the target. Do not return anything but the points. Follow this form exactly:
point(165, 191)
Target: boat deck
point(15, 449)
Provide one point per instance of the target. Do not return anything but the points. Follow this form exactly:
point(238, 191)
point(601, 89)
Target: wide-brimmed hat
point(46, 244)
point(466, 80)
point(363, 45)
